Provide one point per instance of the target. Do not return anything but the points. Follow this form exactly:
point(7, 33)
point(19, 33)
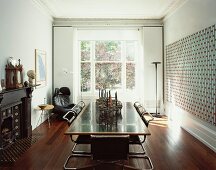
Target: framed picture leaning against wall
point(40, 68)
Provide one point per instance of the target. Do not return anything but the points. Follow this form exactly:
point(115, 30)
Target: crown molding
point(42, 8)
point(107, 22)
point(174, 9)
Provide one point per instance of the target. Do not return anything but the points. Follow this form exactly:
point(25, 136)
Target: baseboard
point(200, 130)
point(203, 131)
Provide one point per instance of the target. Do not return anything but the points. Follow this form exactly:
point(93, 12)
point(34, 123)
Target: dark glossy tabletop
point(92, 122)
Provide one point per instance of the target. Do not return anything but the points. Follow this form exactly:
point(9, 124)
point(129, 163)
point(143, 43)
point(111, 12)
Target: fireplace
point(7, 131)
point(10, 124)
point(15, 115)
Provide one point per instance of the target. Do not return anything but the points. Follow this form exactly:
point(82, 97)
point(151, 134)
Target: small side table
point(43, 108)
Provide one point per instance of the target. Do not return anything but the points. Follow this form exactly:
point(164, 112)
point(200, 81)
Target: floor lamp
point(156, 63)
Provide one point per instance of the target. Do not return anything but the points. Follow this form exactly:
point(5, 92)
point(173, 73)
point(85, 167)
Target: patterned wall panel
point(191, 74)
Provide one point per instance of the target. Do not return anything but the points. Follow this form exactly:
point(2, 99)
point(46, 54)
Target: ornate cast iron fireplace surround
point(15, 115)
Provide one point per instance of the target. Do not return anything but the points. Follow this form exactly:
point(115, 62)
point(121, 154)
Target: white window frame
point(123, 61)
point(135, 35)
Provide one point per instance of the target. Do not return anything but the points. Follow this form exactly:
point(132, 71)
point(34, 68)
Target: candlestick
point(110, 99)
point(116, 98)
point(101, 92)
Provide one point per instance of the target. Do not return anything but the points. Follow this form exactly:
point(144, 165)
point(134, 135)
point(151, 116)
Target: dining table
point(106, 128)
point(97, 121)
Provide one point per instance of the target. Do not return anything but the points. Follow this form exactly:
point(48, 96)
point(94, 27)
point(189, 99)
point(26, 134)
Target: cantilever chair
point(110, 149)
point(135, 139)
point(113, 149)
point(70, 116)
point(106, 149)
point(73, 112)
point(143, 113)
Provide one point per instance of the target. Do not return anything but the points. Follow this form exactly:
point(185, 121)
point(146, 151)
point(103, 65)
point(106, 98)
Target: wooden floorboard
point(169, 147)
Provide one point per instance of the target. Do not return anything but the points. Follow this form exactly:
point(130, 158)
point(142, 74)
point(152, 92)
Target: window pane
point(130, 76)
point(130, 50)
point(107, 50)
point(86, 77)
point(85, 50)
point(108, 75)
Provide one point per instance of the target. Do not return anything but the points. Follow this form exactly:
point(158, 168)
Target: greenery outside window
point(108, 65)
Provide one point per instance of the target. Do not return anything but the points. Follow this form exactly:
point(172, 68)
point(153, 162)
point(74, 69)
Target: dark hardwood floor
point(169, 147)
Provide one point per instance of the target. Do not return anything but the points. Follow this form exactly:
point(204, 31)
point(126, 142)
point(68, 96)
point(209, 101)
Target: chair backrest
point(73, 113)
point(65, 91)
point(69, 117)
point(78, 107)
point(140, 109)
point(145, 120)
point(61, 97)
point(110, 147)
point(136, 104)
point(143, 113)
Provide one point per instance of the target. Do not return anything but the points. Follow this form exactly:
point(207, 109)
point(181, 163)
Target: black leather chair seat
point(134, 139)
point(110, 147)
point(83, 139)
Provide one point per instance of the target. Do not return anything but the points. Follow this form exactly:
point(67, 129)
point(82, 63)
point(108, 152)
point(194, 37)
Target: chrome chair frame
point(70, 116)
point(135, 140)
point(115, 152)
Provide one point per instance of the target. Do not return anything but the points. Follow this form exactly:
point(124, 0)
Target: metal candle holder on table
point(109, 114)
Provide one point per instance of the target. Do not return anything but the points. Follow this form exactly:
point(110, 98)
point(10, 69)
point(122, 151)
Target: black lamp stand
point(156, 113)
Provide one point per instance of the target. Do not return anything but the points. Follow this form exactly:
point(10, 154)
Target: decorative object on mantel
point(31, 77)
point(3, 84)
point(26, 84)
point(12, 61)
point(14, 76)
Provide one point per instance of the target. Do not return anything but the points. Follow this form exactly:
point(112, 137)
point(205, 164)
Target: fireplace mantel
point(15, 109)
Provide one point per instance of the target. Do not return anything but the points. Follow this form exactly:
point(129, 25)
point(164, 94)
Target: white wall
point(23, 28)
point(63, 58)
point(193, 16)
point(152, 41)
point(152, 38)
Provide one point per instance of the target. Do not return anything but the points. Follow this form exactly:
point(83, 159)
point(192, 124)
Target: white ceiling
point(110, 9)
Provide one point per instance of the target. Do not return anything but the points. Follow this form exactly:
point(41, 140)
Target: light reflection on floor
point(174, 130)
point(162, 122)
